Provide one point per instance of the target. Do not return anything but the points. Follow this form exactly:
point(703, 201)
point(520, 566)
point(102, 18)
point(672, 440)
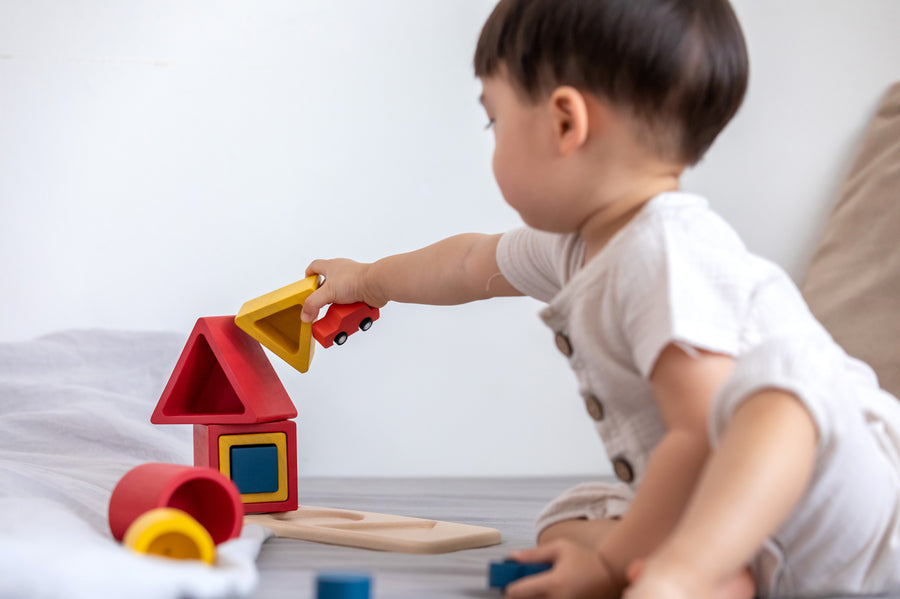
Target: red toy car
point(341, 321)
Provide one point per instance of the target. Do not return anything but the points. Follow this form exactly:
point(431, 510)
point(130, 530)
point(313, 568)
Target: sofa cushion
point(853, 282)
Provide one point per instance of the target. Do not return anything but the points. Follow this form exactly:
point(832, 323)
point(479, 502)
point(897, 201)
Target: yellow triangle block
point(273, 319)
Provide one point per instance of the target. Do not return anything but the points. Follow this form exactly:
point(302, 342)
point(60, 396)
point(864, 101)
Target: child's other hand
point(578, 572)
point(345, 282)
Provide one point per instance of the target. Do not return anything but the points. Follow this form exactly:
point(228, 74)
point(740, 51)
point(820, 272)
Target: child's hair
point(679, 67)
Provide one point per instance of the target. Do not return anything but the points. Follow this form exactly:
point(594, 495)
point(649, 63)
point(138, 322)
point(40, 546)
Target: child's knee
point(581, 531)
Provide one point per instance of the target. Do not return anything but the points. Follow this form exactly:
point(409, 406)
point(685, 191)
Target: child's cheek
point(501, 174)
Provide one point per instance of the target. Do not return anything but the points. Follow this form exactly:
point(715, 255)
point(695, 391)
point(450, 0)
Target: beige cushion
point(853, 283)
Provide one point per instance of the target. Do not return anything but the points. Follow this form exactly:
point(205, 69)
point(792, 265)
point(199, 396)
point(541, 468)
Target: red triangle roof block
point(222, 377)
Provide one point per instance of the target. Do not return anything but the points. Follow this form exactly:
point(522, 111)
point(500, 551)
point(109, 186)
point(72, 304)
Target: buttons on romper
point(564, 345)
point(622, 468)
point(594, 407)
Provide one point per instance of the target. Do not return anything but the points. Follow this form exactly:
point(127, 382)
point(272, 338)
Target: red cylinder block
point(204, 493)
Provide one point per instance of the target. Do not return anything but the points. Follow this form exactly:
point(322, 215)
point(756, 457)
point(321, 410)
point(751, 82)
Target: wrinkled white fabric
point(74, 418)
point(589, 501)
point(844, 535)
point(677, 273)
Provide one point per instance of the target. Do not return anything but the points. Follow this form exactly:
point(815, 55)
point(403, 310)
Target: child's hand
point(345, 282)
point(578, 572)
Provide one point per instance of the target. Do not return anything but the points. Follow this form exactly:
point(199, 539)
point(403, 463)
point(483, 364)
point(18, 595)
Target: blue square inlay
point(254, 468)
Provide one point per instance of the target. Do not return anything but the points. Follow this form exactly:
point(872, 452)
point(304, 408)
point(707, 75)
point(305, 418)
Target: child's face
point(523, 155)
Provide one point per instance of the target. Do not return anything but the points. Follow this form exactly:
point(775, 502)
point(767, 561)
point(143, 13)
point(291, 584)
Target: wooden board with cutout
point(381, 532)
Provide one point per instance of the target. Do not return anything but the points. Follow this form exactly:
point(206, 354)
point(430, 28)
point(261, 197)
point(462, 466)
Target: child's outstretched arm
point(456, 270)
point(754, 479)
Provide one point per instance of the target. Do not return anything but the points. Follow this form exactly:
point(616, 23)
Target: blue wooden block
point(343, 585)
point(501, 574)
point(254, 468)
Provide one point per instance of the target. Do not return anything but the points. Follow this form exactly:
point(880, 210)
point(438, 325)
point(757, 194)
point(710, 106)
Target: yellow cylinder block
point(169, 532)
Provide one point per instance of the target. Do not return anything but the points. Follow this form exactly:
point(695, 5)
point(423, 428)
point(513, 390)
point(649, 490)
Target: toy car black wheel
point(366, 324)
point(340, 338)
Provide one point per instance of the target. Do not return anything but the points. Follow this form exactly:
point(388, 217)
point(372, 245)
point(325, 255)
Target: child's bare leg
point(739, 586)
point(751, 483)
point(581, 530)
point(590, 532)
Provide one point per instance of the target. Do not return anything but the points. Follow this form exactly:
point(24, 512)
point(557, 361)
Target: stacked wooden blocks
point(226, 387)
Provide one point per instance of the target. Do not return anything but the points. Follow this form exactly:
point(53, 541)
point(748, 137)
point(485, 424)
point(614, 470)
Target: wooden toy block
point(222, 377)
point(171, 533)
point(341, 321)
point(382, 532)
point(273, 319)
point(502, 574)
point(204, 494)
point(343, 585)
point(261, 459)
point(254, 468)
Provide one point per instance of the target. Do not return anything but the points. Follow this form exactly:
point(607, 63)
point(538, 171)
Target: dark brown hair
point(679, 66)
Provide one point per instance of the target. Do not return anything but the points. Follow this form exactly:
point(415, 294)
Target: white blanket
point(74, 418)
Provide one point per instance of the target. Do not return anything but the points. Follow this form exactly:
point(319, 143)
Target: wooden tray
point(368, 530)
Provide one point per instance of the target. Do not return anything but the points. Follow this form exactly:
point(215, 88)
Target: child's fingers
point(340, 280)
point(313, 303)
point(542, 553)
point(532, 587)
point(535, 585)
point(315, 268)
point(320, 297)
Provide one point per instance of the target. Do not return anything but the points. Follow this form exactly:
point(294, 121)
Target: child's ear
point(569, 112)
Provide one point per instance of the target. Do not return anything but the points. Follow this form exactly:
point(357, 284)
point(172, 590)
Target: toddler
point(753, 455)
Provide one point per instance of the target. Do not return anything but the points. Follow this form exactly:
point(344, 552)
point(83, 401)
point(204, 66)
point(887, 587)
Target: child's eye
point(489, 124)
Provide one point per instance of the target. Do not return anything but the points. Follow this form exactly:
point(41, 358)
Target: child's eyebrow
point(481, 99)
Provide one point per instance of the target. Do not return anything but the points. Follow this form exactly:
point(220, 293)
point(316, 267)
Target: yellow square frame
point(279, 440)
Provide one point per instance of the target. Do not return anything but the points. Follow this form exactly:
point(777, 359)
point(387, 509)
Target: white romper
point(678, 273)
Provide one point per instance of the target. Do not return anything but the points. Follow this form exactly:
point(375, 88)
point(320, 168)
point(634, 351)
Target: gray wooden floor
point(288, 567)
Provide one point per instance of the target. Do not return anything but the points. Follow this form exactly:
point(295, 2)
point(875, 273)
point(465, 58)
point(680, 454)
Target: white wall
point(162, 160)
point(818, 71)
